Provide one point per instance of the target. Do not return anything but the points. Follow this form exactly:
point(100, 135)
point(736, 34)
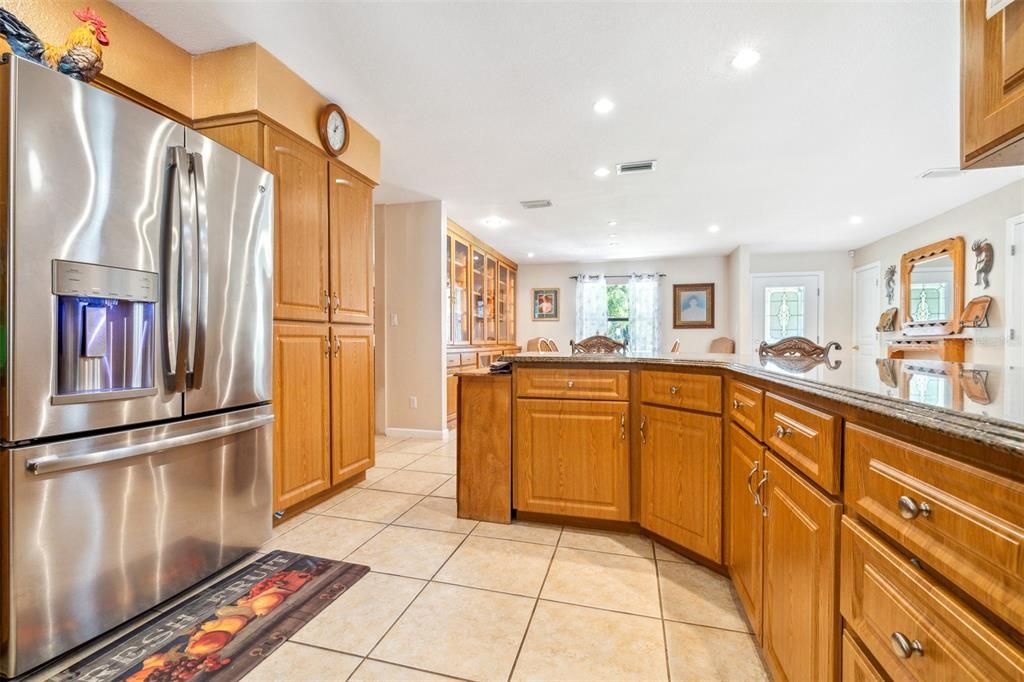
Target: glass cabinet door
point(460, 293)
point(502, 303)
point(511, 306)
point(479, 293)
point(448, 289)
point(490, 295)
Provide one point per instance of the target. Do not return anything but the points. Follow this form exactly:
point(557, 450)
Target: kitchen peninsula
point(871, 516)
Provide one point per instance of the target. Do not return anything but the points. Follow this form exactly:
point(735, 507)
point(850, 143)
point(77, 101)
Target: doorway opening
point(867, 301)
point(786, 304)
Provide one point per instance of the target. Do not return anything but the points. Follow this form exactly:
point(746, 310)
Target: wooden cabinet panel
point(884, 599)
point(679, 389)
point(300, 228)
point(744, 532)
point(242, 138)
point(351, 239)
point(857, 665)
point(681, 478)
point(806, 438)
point(572, 458)
point(991, 85)
point(485, 448)
point(746, 407)
point(800, 631)
point(964, 522)
point(302, 457)
point(452, 397)
point(351, 401)
point(583, 384)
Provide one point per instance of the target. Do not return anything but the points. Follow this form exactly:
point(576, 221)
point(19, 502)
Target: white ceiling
point(487, 104)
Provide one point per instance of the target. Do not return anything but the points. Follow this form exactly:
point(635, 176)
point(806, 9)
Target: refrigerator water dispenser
point(105, 346)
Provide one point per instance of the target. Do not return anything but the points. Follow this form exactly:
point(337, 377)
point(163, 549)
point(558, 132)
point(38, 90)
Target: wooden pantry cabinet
point(351, 240)
point(351, 401)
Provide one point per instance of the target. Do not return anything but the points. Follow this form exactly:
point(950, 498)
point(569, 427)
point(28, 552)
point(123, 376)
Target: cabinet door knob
point(674, 390)
point(736, 405)
point(569, 383)
point(782, 431)
point(904, 647)
point(909, 509)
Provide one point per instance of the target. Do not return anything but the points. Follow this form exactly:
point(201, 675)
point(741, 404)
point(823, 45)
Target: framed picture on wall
point(545, 304)
point(693, 306)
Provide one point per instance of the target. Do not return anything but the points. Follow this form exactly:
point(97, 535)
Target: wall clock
point(333, 129)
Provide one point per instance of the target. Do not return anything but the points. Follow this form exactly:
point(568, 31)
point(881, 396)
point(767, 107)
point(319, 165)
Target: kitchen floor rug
point(224, 631)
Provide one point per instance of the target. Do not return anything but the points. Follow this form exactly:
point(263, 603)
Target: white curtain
point(644, 334)
point(591, 306)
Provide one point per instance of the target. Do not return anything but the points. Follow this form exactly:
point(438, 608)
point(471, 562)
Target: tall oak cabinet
point(323, 309)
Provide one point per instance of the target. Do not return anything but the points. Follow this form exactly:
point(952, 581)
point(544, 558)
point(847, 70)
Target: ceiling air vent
point(536, 203)
point(936, 173)
point(635, 167)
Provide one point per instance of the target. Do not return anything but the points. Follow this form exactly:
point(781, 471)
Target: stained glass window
point(928, 301)
point(783, 312)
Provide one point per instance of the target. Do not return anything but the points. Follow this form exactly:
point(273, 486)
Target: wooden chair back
point(544, 345)
point(533, 345)
point(723, 344)
point(554, 346)
point(597, 344)
point(796, 347)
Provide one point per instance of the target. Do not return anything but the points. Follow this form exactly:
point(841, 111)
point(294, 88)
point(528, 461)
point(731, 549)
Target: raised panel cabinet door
point(300, 232)
point(351, 401)
point(572, 458)
point(800, 625)
point(351, 207)
point(744, 530)
point(681, 478)
point(302, 457)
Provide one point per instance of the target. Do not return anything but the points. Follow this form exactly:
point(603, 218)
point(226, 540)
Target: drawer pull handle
point(782, 432)
point(757, 494)
point(904, 647)
point(750, 478)
point(910, 509)
point(622, 426)
point(643, 434)
point(569, 383)
point(674, 390)
point(737, 405)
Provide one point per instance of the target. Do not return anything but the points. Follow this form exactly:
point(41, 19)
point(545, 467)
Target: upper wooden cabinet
point(351, 239)
point(301, 239)
point(991, 85)
point(481, 290)
point(681, 478)
point(351, 401)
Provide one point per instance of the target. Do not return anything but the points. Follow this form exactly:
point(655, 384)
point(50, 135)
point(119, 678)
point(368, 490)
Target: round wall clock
point(333, 129)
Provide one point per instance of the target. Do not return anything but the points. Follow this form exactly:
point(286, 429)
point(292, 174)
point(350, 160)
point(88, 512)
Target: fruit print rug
point(226, 630)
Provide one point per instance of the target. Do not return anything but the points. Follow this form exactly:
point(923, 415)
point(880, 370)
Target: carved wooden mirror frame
point(954, 248)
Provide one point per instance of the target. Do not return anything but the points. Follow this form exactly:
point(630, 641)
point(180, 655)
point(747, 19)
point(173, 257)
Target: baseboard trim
point(430, 434)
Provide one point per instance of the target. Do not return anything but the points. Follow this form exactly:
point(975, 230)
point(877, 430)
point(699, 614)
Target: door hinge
point(1013, 334)
point(1013, 249)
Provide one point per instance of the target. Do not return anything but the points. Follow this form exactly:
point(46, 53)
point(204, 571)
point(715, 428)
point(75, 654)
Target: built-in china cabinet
point(481, 290)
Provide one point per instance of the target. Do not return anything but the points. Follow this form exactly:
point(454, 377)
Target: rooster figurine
point(81, 55)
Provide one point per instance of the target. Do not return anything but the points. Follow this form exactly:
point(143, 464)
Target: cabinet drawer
point(806, 438)
point(453, 359)
point(679, 389)
point(468, 359)
point(587, 384)
point(746, 407)
point(884, 599)
point(857, 665)
point(964, 522)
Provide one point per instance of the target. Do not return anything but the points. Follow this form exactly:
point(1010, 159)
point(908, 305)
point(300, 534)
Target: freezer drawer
point(101, 529)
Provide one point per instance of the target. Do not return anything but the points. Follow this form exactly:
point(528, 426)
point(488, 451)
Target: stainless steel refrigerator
point(135, 365)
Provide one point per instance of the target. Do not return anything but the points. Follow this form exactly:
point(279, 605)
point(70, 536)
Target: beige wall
point(738, 274)
point(412, 260)
point(380, 292)
point(837, 287)
point(678, 271)
point(983, 218)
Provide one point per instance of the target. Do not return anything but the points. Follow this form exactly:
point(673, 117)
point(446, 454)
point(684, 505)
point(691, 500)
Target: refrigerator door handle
point(178, 298)
point(53, 463)
point(203, 280)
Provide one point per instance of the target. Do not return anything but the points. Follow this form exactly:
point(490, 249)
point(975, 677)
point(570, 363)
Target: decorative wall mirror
point(932, 283)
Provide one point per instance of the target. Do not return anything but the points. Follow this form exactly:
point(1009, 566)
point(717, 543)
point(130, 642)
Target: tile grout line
point(536, 602)
point(661, 608)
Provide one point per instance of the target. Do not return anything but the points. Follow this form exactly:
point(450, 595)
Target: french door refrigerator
point(135, 361)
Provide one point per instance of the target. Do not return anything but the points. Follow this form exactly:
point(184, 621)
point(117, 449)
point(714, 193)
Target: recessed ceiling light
point(713, 228)
point(612, 223)
point(856, 220)
point(612, 236)
point(493, 221)
point(530, 255)
point(746, 58)
point(601, 172)
point(603, 105)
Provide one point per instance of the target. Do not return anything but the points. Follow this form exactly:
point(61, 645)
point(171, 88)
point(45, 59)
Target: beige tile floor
point(449, 598)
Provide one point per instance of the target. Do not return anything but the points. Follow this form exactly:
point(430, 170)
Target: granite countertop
point(982, 403)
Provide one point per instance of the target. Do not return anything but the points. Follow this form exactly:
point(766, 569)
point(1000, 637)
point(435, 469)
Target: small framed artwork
point(545, 304)
point(693, 306)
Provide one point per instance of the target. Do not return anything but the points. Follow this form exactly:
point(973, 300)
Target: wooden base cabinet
point(681, 478)
point(800, 632)
point(302, 410)
point(572, 458)
point(351, 401)
point(744, 534)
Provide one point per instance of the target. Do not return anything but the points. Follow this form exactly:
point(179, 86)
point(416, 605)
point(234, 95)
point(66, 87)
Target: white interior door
point(785, 304)
point(1015, 292)
point(866, 304)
